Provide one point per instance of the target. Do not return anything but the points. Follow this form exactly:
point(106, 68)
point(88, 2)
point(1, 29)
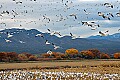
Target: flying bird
point(41, 35)
point(55, 47)
point(53, 32)
point(118, 29)
point(46, 42)
point(100, 14)
point(19, 2)
point(108, 5)
point(105, 17)
point(118, 14)
point(110, 14)
point(73, 15)
point(1, 6)
point(57, 33)
point(6, 40)
point(73, 37)
point(49, 52)
point(91, 24)
point(9, 35)
point(103, 34)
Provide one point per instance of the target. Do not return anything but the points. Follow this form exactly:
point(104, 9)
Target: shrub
point(87, 54)
point(104, 56)
point(117, 55)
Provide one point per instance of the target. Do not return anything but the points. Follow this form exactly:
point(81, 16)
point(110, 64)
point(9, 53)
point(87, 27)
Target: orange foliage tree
point(87, 54)
point(104, 56)
point(117, 55)
point(71, 53)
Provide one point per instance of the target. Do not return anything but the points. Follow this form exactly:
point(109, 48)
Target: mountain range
point(22, 40)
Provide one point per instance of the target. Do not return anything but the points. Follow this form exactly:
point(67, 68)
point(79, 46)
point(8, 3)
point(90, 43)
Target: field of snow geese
point(64, 70)
point(54, 75)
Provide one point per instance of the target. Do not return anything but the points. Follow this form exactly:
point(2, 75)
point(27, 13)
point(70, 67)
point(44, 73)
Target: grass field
point(101, 66)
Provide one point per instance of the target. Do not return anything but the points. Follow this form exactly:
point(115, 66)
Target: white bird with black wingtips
point(9, 35)
point(49, 52)
point(40, 35)
point(46, 42)
point(73, 15)
point(55, 47)
point(74, 37)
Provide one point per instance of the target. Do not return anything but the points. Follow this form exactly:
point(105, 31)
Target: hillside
point(26, 41)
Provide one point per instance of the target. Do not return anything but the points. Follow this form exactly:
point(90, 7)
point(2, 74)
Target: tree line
point(69, 54)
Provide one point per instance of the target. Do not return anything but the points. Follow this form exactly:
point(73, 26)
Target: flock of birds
point(48, 75)
point(47, 42)
point(61, 14)
point(51, 13)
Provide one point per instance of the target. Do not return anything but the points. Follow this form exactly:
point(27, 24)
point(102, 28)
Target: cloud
point(56, 10)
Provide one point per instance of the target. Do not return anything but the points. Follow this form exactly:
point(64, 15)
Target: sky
point(55, 15)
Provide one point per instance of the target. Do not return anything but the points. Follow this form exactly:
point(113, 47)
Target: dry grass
point(98, 66)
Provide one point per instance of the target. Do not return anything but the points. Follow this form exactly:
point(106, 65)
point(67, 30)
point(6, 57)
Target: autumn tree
point(87, 54)
point(45, 55)
point(32, 58)
point(11, 56)
point(22, 57)
point(57, 55)
point(62, 55)
point(2, 56)
point(117, 55)
point(95, 52)
point(71, 53)
point(27, 54)
point(104, 56)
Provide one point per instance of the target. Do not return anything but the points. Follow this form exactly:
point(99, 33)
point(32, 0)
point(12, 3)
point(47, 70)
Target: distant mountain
point(21, 40)
point(114, 37)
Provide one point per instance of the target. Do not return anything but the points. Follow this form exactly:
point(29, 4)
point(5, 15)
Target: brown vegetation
point(69, 54)
point(117, 55)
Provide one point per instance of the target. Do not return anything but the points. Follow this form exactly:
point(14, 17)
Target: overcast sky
point(30, 15)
